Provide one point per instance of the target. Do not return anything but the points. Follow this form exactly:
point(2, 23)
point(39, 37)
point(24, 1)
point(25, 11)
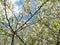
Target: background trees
point(32, 22)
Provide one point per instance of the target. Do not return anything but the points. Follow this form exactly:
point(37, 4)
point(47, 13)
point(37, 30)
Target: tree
point(36, 23)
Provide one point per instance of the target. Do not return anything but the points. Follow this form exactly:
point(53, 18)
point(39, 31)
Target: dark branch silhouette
point(7, 16)
point(32, 15)
point(10, 26)
point(23, 24)
point(12, 42)
point(21, 40)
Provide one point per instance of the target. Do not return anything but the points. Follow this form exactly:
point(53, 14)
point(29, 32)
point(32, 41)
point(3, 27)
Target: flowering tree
point(35, 22)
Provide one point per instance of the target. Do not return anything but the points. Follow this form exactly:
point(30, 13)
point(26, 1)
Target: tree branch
point(32, 15)
point(10, 26)
point(21, 40)
point(7, 16)
point(12, 42)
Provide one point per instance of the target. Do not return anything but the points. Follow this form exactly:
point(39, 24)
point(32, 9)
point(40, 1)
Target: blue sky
point(17, 4)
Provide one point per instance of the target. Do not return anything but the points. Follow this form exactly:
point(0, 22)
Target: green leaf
point(44, 0)
point(32, 41)
point(55, 23)
point(26, 1)
point(1, 30)
point(44, 9)
point(53, 1)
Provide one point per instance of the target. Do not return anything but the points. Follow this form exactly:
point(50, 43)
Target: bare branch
point(10, 26)
point(21, 40)
point(28, 25)
point(16, 19)
point(32, 15)
point(12, 42)
point(7, 16)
